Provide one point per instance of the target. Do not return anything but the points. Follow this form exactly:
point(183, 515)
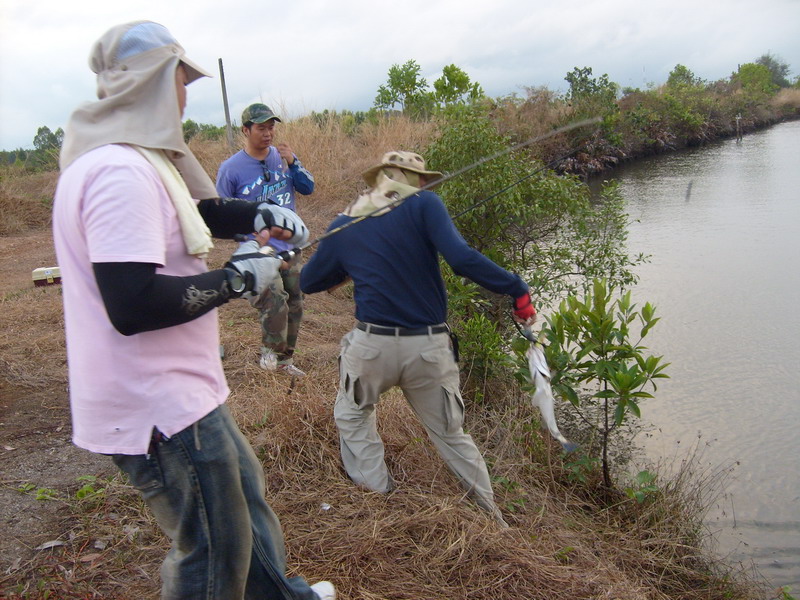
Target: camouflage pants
point(280, 310)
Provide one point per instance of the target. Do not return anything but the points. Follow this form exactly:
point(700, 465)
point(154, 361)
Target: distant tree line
point(202, 130)
point(686, 110)
point(43, 157)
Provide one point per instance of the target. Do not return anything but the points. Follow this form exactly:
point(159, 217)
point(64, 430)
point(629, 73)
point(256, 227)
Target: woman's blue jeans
point(205, 487)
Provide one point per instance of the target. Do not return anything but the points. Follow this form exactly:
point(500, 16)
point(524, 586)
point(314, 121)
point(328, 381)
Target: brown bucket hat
point(409, 161)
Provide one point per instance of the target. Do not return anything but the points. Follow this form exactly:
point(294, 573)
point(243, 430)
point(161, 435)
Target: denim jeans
point(206, 488)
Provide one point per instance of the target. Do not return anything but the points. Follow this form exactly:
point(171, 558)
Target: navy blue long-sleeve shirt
point(393, 261)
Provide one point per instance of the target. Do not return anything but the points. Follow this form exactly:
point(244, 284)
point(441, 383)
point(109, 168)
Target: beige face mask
point(137, 100)
point(392, 185)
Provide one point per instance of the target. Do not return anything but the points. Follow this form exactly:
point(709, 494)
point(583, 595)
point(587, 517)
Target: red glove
point(523, 307)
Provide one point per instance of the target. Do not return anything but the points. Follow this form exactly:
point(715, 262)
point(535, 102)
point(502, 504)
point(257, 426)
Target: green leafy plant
point(264, 420)
point(481, 345)
point(405, 87)
point(44, 493)
point(682, 77)
point(516, 505)
point(595, 351)
point(40, 493)
point(643, 486)
point(209, 132)
point(580, 468)
point(90, 489)
point(755, 81)
point(563, 555)
point(512, 488)
point(777, 68)
point(47, 145)
point(454, 86)
point(785, 593)
point(545, 227)
point(591, 96)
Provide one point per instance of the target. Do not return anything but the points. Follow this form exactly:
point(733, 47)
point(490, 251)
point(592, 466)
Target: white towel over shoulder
point(196, 234)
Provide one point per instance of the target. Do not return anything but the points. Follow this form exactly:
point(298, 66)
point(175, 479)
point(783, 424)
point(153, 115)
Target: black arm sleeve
point(227, 217)
point(137, 299)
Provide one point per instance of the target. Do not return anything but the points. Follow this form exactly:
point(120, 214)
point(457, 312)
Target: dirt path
point(35, 447)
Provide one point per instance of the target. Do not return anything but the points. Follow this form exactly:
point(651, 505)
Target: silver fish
point(543, 396)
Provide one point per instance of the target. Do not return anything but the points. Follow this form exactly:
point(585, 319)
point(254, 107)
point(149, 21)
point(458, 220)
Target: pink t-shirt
point(110, 206)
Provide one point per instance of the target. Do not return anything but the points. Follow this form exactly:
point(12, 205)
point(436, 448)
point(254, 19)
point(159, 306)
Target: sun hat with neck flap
point(396, 177)
point(400, 159)
point(137, 102)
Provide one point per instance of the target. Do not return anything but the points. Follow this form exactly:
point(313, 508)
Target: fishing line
point(515, 147)
point(461, 171)
point(517, 182)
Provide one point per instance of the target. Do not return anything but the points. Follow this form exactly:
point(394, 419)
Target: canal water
point(722, 224)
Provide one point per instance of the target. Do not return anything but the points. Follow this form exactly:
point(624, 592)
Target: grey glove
point(272, 215)
point(257, 269)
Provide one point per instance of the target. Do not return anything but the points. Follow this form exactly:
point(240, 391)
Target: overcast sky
point(315, 54)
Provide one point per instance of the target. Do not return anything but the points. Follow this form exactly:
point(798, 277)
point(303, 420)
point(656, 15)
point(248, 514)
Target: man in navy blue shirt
point(263, 172)
point(401, 337)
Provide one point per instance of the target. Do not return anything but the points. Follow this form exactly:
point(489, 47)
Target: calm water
point(722, 224)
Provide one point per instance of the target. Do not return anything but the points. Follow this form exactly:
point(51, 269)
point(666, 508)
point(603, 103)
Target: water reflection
point(722, 225)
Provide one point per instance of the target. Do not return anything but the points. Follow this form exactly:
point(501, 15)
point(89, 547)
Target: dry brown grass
point(422, 541)
point(538, 113)
point(787, 100)
point(26, 199)
point(335, 158)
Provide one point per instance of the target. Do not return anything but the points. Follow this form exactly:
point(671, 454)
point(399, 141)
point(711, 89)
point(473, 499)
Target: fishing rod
point(289, 254)
point(555, 161)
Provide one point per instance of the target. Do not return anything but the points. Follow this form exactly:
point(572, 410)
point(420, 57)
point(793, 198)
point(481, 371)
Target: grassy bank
point(640, 123)
point(569, 538)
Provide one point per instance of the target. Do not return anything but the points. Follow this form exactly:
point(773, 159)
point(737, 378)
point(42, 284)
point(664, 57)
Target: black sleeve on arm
point(137, 299)
point(227, 217)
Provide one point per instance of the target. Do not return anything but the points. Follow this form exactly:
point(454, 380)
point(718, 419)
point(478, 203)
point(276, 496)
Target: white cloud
point(315, 54)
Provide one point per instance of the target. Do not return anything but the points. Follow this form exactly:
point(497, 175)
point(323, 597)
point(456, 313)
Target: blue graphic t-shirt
point(247, 178)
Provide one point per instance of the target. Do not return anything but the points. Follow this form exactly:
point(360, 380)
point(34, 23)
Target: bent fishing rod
point(289, 254)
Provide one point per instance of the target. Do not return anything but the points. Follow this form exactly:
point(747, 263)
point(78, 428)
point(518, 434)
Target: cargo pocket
point(453, 411)
point(441, 364)
point(443, 369)
point(354, 361)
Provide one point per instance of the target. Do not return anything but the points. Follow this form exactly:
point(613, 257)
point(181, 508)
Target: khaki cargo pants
point(425, 370)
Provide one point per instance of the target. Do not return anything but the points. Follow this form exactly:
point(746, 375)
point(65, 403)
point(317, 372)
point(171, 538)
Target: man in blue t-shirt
point(401, 337)
point(262, 172)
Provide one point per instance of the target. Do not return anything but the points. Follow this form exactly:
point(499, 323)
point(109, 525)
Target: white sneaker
point(290, 369)
point(324, 590)
point(268, 361)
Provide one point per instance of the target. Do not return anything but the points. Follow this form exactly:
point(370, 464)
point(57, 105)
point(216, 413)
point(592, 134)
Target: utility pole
point(228, 127)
